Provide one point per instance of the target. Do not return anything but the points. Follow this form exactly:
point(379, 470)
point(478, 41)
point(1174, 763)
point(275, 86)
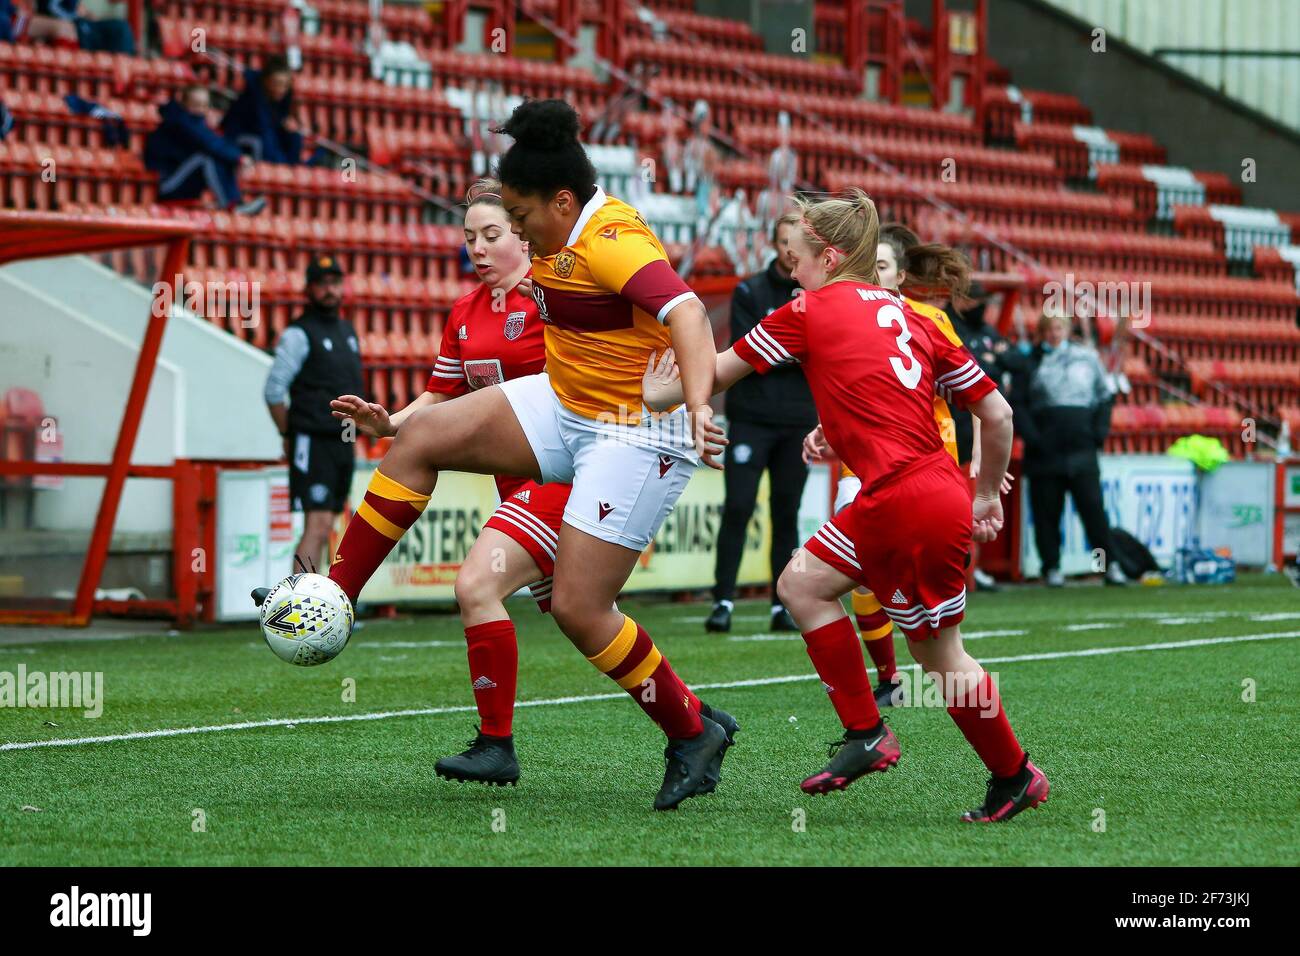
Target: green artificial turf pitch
point(1157, 755)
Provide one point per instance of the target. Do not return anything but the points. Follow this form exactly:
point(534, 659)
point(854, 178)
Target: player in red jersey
point(873, 365)
point(492, 335)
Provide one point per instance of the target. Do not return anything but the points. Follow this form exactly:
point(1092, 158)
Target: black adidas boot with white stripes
point(489, 760)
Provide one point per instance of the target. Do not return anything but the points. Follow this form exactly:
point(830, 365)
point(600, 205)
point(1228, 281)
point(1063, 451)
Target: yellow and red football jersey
point(604, 298)
point(942, 415)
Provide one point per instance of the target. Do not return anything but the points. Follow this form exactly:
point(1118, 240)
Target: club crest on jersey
point(610, 233)
point(605, 508)
point(515, 325)
point(665, 462)
point(564, 263)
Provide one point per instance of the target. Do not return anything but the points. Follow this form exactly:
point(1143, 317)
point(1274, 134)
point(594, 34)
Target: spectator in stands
point(7, 18)
point(700, 161)
point(189, 156)
point(782, 172)
point(105, 36)
point(783, 164)
point(671, 149)
point(608, 126)
point(768, 417)
point(1064, 424)
point(317, 359)
point(261, 121)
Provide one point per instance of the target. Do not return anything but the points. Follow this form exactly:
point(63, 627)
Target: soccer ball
point(306, 619)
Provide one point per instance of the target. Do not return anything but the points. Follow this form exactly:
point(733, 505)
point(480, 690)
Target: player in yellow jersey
point(609, 299)
point(903, 263)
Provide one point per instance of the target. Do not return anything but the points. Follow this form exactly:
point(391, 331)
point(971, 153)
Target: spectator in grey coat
point(1066, 419)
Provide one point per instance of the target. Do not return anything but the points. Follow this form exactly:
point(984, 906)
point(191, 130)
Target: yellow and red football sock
point(834, 651)
point(494, 672)
point(387, 511)
point(877, 634)
point(632, 661)
point(982, 721)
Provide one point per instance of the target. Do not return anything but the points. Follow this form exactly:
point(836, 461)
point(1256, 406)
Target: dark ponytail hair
point(546, 155)
point(928, 265)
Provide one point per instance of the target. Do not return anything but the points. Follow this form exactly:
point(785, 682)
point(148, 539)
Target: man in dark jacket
point(768, 417)
point(1064, 417)
point(106, 36)
point(261, 120)
point(317, 359)
point(189, 156)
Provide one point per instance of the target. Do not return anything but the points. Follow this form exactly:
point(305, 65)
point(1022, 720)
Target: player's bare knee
point(789, 588)
point(473, 589)
point(567, 614)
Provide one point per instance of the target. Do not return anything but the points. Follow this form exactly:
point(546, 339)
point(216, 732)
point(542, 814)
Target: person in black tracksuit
point(768, 417)
point(317, 359)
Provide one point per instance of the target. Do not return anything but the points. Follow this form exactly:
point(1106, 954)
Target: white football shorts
point(845, 492)
point(626, 478)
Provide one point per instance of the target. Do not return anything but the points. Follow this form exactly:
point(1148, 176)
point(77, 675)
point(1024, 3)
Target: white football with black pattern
point(307, 619)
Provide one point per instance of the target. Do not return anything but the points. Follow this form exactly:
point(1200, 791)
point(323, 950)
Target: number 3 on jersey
point(909, 374)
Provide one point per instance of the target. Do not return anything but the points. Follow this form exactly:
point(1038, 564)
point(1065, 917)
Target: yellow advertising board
point(423, 565)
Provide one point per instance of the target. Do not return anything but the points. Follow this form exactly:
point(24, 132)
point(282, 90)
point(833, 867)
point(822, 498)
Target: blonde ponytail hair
point(847, 223)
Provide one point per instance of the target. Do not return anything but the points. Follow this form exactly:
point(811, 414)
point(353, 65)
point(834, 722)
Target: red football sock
point(834, 651)
point(690, 695)
point(494, 671)
point(983, 722)
point(386, 513)
point(633, 662)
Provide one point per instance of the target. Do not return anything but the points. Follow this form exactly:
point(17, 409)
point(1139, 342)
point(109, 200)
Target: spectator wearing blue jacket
point(6, 21)
point(106, 36)
point(189, 156)
point(261, 121)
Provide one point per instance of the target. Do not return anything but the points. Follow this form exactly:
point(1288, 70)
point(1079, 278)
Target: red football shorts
point(909, 542)
point(531, 515)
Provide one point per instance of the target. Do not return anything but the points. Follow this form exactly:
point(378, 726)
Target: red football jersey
point(874, 366)
point(483, 346)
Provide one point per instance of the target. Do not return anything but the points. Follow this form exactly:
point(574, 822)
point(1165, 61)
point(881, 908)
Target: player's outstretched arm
point(373, 419)
point(661, 386)
point(994, 416)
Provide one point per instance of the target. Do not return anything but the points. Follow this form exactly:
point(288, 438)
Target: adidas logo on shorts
point(898, 597)
point(484, 683)
point(524, 495)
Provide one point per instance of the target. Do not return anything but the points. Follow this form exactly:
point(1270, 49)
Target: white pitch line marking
point(699, 618)
point(1099, 626)
point(392, 645)
point(590, 698)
